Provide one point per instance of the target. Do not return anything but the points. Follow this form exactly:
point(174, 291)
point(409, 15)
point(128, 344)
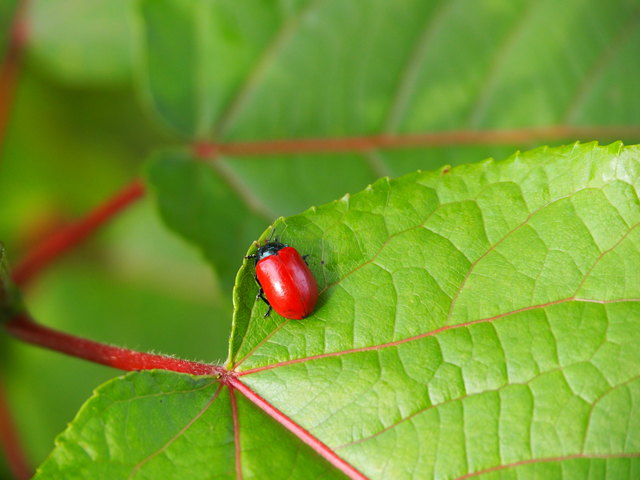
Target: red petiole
point(24, 328)
point(67, 238)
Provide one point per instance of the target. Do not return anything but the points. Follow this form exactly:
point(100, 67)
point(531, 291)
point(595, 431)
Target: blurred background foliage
point(104, 84)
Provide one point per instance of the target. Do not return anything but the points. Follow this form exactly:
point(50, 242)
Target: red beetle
point(285, 280)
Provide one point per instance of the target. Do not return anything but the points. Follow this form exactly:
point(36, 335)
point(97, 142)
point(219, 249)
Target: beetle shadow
point(319, 268)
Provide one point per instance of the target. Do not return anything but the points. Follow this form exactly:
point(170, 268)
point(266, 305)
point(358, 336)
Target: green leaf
point(304, 68)
point(118, 435)
point(481, 320)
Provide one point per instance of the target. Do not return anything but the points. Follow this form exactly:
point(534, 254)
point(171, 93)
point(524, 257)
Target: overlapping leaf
point(475, 321)
point(227, 71)
point(310, 68)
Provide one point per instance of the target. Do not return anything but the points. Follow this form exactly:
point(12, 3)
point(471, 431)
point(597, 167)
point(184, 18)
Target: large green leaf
point(205, 209)
point(283, 69)
point(481, 320)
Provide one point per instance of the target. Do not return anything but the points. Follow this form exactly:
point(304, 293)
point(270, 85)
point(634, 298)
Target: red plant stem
point(435, 139)
point(316, 444)
point(10, 441)
point(236, 432)
point(23, 328)
point(11, 66)
point(68, 237)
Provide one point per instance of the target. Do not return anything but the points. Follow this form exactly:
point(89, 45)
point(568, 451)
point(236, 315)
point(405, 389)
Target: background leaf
point(474, 320)
point(190, 194)
point(198, 216)
point(328, 68)
point(82, 42)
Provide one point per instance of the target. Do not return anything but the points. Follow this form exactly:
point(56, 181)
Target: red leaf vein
point(69, 237)
point(236, 432)
point(548, 460)
point(427, 334)
point(316, 444)
point(181, 432)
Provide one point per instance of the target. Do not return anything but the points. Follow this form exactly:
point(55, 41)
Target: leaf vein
point(458, 399)
point(598, 67)
point(493, 246)
point(576, 456)
point(482, 99)
point(409, 76)
point(253, 78)
point(136, 468)
point(598, 400)
point(428, 334)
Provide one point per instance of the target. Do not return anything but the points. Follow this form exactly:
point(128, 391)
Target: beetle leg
point(261, 296)
point(304, 257)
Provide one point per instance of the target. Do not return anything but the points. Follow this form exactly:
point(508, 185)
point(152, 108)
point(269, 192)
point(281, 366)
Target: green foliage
point(475, 318)
point(83, 42)
point(198, 415)
point(304, 68)
point(262, 70)
point(128, 299)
